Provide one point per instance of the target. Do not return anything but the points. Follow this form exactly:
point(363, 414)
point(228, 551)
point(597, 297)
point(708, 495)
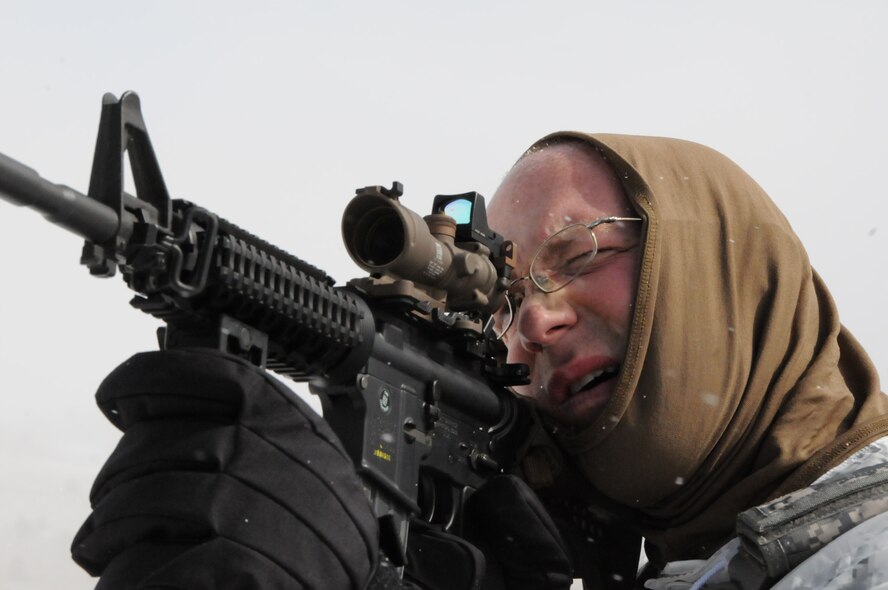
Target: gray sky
point(272, 115)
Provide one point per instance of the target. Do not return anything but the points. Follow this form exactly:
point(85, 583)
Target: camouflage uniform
point(831, 534)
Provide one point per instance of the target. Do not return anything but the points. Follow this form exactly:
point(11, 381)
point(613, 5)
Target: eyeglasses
point(561, 258)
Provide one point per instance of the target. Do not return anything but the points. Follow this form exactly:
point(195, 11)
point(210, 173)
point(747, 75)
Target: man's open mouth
point(593, 379)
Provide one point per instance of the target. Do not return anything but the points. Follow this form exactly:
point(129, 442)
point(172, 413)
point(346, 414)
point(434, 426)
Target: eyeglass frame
point(589, 226)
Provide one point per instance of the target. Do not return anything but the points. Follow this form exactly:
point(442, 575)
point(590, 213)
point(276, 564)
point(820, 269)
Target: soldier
point(687, 363)
point(691, 384)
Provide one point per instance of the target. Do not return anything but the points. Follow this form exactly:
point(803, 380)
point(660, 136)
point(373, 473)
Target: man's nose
point(543, 318)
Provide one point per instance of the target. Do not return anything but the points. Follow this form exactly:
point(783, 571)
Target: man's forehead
point(551, 206)
point(552, 188)
point(531, 180)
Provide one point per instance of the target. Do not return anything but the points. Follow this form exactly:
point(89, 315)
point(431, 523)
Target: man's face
point(574, 340)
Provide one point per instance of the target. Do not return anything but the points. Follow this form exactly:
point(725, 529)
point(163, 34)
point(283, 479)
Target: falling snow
point(710, 399)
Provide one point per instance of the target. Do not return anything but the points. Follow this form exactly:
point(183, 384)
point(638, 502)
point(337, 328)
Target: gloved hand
point(511, 544)
point(223, 479)
point(512, 527)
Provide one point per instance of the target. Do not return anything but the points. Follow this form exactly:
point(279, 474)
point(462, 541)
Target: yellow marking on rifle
point(383, 455)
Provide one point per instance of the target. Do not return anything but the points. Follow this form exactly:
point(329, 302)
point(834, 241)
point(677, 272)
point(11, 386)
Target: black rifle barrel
point(60, 204)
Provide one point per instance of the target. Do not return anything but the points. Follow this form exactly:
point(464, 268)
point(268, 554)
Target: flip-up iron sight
point(450, 259)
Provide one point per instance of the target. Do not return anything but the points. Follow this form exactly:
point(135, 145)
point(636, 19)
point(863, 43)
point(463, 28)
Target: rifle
point(407, 374)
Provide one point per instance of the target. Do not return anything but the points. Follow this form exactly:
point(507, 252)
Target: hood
point(739, 382)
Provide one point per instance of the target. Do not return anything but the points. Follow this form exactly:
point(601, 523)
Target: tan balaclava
point(739, 383)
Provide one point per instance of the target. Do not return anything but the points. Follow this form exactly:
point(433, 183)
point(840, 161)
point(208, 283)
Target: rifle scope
point(384, 237)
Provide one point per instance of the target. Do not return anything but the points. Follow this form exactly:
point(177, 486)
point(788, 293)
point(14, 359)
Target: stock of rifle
point(407, 375)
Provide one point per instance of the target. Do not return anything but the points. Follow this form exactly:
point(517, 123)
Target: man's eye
point(603, 257)
point(608, 253)
point(604, 253)
point(575, 264)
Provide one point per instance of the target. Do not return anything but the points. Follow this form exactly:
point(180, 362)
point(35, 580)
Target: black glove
point(223, 479)
point(441, 561)
point(511, 544)
point(518, 537)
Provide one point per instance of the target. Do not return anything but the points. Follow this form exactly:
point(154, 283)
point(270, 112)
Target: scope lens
point(460, 210)
point(379, 237)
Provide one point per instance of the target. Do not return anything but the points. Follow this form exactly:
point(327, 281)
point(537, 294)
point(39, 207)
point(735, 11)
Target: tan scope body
point(384, 237)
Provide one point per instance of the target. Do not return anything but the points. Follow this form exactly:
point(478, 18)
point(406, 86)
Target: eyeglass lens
point(564, 256)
